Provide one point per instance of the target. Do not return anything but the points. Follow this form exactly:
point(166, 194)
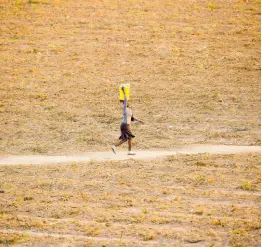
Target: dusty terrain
point(193, 66)
point(194, 70)
point(184, 200)
point(122, 155)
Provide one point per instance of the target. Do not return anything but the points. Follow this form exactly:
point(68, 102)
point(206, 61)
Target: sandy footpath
point(122, 155)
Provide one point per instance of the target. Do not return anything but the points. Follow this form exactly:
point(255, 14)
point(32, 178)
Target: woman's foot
point(131, 153)
point(114, 149)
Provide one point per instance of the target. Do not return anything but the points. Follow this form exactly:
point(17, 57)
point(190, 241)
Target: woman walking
point(126, 134)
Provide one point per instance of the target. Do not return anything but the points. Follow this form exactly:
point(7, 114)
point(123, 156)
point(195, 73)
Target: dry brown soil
point(123, 155)
point(193, 66)
point(194, 70)
point(183, 200)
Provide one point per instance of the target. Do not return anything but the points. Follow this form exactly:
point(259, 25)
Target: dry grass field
point(183, 200)
point(194, 70)
point(193, 66)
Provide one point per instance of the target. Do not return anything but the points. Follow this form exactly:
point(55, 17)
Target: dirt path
point(122, 155)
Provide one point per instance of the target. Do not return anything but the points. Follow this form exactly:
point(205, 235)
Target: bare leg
point(129, 144)
point(120, 142)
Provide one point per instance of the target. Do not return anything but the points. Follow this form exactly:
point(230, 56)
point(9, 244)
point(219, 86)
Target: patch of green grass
point(247, 186)
point(144, 211)
point(18, 201)
point(38, 2)
point(240, 232)
point(218, 222)
point(18, 4)
point(213, 6)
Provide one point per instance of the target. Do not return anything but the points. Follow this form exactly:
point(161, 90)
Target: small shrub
point(247, 186)
point(218, 222)
point(171, 158)
point(144, 211)
point(28, 198)
point(212, 6)
point(41, 96)
point(148, 236)
point(74, 165)
point(201, 163)
point(92, 231)
point(240, 232)
point(18, 201)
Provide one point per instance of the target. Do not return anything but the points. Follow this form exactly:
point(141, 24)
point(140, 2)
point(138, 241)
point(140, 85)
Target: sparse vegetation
point(62, 84)
point(194, 69)
point(88, 201)
point(212, 6)
point(247, 186)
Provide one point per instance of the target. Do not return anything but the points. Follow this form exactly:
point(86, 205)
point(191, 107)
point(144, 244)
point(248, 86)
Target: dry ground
point(184, 200)
point(194, 69)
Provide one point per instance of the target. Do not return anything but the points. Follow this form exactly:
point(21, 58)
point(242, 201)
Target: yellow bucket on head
point(126, 89)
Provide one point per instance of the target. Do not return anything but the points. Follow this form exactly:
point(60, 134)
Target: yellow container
point(126, 89)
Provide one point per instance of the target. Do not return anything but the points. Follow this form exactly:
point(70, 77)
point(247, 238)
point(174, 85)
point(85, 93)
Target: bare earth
point(193, 66)
point(194, 70)
point(181, 200)
point(122, 155)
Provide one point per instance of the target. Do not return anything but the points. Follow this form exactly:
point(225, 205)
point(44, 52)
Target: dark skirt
point(125, 132)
